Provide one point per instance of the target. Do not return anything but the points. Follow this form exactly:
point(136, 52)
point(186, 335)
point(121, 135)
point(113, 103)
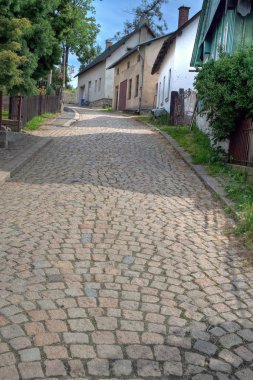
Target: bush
point(225, 88)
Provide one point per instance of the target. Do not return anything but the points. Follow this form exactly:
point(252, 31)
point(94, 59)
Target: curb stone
point(18, 162)
point(210, 182)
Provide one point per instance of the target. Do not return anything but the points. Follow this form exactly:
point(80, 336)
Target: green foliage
point(225, 88)
point(75, 25)
point(13, 57)
point(37, 121)
point(5, 114)
point(196, 143)
point(33, 35)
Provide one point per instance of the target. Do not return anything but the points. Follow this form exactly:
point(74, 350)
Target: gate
point(122, 95)
point(241, 144)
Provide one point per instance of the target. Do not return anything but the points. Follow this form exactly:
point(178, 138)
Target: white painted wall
point(177, 62)
point(92, 76)
point(107, 76)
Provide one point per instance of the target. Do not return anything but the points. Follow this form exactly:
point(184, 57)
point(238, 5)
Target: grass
point(238, 186)
point(37, 121)
point(5, 114)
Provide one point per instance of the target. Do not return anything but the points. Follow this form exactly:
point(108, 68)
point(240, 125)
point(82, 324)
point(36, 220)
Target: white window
point(169, 86)
point(163, 94)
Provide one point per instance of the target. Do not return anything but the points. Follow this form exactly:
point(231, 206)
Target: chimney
point(108, 43)
point(183, 15)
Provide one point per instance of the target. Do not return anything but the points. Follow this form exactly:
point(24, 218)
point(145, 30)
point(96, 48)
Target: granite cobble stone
point(116, 263)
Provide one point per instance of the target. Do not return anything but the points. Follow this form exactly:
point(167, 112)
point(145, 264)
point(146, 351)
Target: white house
point(173, 60)
point(95, 81)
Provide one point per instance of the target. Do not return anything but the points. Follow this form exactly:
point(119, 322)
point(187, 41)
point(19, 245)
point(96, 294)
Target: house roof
point(131, 51)
point(168, 42)
point(103, 56)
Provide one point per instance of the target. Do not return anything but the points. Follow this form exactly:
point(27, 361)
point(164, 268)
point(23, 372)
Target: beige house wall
point(100, 72)
point(128, 70)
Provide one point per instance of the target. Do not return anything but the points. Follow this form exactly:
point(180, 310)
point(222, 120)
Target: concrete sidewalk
point(24, 146)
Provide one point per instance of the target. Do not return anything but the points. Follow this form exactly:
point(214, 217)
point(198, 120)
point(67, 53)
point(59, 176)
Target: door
point(122, 95)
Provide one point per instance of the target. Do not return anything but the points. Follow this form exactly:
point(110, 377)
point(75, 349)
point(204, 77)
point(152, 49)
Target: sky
point(111, 14)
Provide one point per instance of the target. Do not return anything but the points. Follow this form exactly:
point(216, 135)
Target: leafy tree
point(149, 10)
point(54, 25)
point(225, 88)
point(76, 28)
point(13, 56)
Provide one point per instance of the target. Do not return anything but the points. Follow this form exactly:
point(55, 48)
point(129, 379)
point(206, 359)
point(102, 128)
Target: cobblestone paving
point(115, 264)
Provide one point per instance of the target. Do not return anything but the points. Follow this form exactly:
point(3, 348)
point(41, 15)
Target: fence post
point(40, 104)
point(20, 104)
point(173, 106)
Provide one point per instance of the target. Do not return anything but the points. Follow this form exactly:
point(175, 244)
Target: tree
point(54, 25)
point(149, 10)
point(76, 28)
point(13, 56)
point(225, 88)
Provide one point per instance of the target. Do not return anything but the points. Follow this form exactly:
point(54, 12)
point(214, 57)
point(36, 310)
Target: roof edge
point(166, 45)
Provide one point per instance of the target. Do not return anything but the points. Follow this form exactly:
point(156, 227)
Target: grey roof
point(135, 49)
point(103, 56)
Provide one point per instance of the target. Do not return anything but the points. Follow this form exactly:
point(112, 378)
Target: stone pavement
point(115, 263)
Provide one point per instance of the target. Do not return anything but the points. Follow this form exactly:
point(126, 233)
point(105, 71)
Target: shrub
point(225, 88)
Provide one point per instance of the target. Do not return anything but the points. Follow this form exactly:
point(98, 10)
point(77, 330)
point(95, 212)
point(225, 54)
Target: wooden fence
point(32, 106)
point(241, 144)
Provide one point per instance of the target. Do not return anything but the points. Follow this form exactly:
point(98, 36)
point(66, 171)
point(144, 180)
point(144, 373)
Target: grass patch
point(5, 114)
point(236, 183)
point(37, 121)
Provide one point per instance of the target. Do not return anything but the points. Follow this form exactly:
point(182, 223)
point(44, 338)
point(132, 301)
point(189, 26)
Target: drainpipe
point(142, 79)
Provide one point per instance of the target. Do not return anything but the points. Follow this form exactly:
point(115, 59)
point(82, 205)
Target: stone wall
point(70, 97)
point(101, 103)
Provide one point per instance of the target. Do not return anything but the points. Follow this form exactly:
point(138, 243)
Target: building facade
point(134, 86)
point(224, 25)
point(172, 64)
point(95, 81)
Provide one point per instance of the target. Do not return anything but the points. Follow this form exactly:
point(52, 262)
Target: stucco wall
point(178, 61)
point(107, 76)
point(203, 125)
point(149, 52)
point(92, 75)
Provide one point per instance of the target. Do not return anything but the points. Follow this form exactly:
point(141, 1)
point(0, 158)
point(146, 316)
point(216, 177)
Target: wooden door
point(122, 95)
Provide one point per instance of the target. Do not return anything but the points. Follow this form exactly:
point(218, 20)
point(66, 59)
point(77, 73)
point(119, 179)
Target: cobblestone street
point(116, 263)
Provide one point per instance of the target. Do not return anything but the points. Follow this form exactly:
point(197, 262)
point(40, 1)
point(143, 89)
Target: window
point(128, 64)
point(138, 58)
point(164, 78)
point(159, 94)
point(96, 85)
point(99, 84)
point(117, 71)
point(169, 84)
point(137, 82)
point(90, 84)
point(129, 88)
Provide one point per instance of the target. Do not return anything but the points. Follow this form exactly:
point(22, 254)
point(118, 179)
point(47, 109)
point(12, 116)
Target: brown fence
point(241, 144)
point(32, 106)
